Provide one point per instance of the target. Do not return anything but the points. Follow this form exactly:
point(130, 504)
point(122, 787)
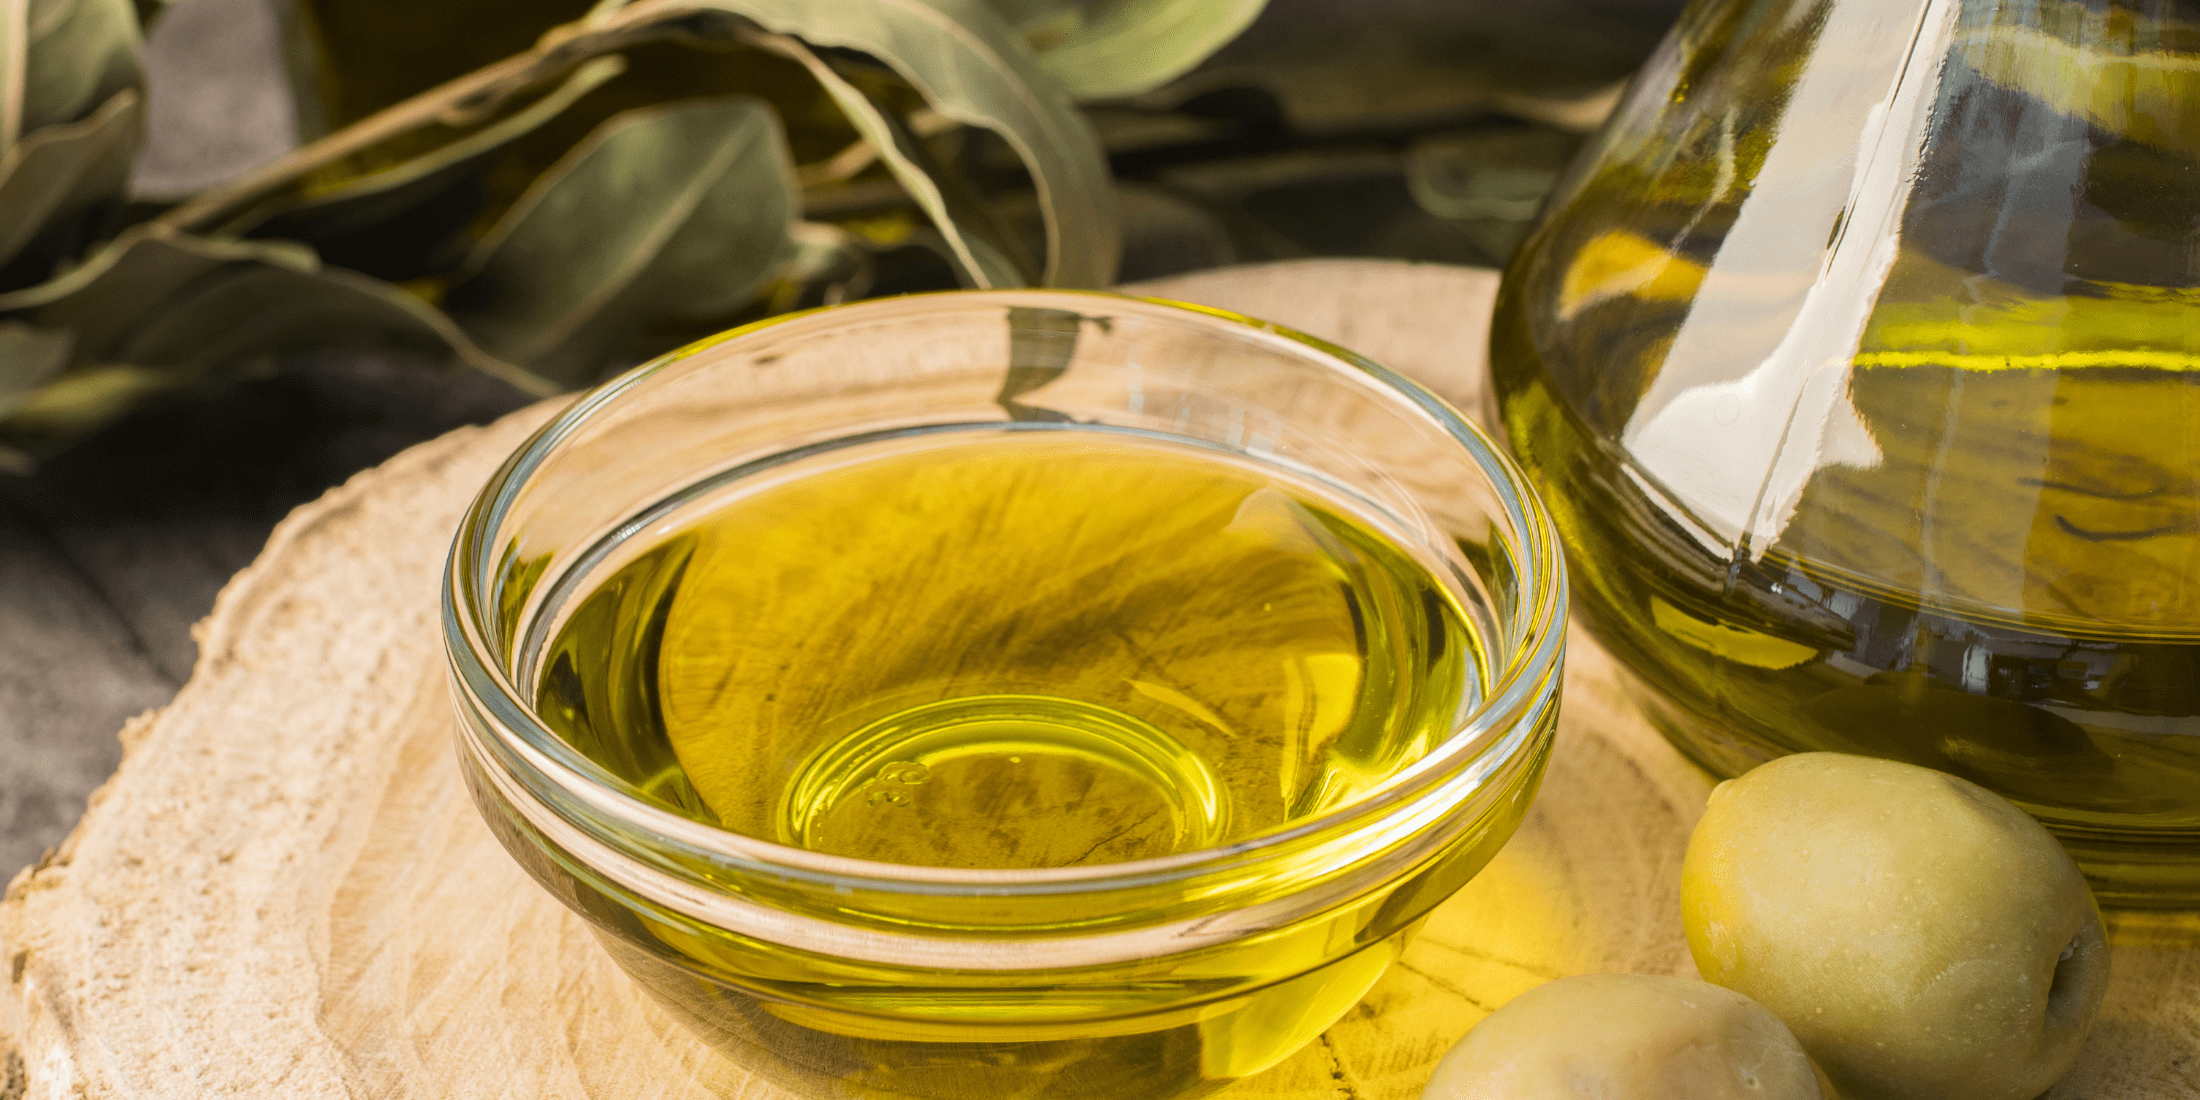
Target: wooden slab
point(284, 891)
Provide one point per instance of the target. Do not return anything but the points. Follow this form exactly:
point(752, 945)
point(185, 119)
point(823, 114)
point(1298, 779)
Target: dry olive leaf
point(972, 68)
point(967, 63)
point(335, 208)
point(61, 59)
point(354, 58)
point(156, 310)
point(15, 33)
point(63, 171)
point(986, 260)
point(351, 59)
point(30, 356)
point(1115, 49)
point(679, 211)
point(676, 212)
point(478, 103)
point(70, 118)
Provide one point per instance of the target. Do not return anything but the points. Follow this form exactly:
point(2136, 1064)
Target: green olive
point(1626, 1037)
point(1919, 934)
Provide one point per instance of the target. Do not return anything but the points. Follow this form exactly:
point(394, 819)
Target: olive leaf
point(355, 58)
point(352, 59)
point(74, 56)
point(678, 211)
point(427, 123)
point(662, 215)
point(15, 33)
point(961, 56)
point(971, 67)
point(826, 265)
point(986, 261)
point(29, 355)
point(60, 172)
point(158, 310)
point(1039, 21)
point(1107, 50)
point(312, 213)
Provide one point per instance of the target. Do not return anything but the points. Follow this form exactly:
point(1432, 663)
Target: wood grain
point(284, 891)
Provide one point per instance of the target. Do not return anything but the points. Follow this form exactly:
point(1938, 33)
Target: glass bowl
point(1155, 977)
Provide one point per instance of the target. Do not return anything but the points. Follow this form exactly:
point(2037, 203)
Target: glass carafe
point(1860, 360)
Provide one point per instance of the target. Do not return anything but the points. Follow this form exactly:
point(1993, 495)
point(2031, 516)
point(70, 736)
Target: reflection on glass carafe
point(1860, 360)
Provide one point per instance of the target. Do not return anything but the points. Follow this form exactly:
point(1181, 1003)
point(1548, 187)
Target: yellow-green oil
point(2000, 576)
point(1853, 633)
point(1018, 650)
point(1025, 649)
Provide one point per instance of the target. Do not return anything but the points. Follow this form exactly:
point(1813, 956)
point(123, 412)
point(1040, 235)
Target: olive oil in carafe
point(1976, 542)
point(1026, 648)
point(2082, 722)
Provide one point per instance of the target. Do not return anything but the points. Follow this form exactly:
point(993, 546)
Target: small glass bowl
point(1161, 977)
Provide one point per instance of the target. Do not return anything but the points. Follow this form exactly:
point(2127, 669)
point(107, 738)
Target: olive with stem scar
point(1920, 935)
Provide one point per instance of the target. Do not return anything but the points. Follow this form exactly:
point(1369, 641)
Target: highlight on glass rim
point(1086, 549)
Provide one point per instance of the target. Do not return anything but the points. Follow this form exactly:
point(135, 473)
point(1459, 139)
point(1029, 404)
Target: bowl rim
point(1494, 733)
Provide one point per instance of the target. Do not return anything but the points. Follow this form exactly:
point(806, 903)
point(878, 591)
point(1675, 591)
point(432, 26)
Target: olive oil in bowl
point(1013, 649)
point(1102, 728)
